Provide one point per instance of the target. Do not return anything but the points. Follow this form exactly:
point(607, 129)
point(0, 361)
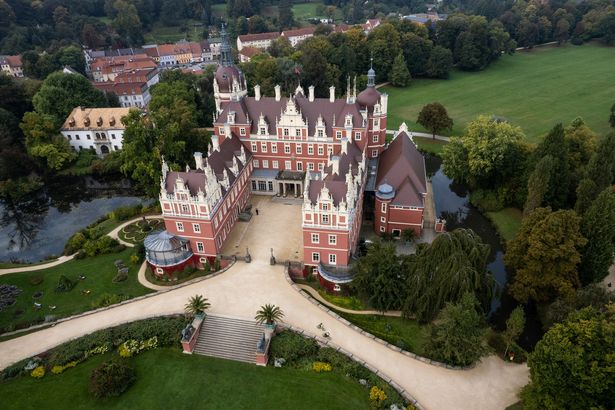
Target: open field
point(169, 34)
point(532, 89)
point(99, 272)
point(169, 379)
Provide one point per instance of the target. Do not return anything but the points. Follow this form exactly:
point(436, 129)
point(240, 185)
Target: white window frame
point(274, 148)
point(265, 163)
point(324, 219)
point(310, 150)
point(287, 148)
point(263, 147)
point(185, 209)
point(288, 165)
point(315, 256)
point(315, 238)
point(332, 259)
point(383, 207)
point(256, 163)
point(299, 166)
point(275, 164)
point(298, 149)
point(310, 166)
point(332, 239)
point(254, 147)
point(196, 228)
point(321, 150)
point(179, 226)
point(383, 219)
point(375, 138)
point(357, 136)
point(200, 247)
point(242, 131)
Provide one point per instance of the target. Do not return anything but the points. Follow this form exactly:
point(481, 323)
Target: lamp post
point(272, 258)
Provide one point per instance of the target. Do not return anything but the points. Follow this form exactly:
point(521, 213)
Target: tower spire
point(226, 53)
point(371, 74)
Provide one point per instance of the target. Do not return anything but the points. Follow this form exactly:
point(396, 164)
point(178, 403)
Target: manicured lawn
point(404, 333)
point(347, 302)
point(8, 265)
point(534, 90)
point(168, 379)
point(430, 145)
point(99, 272)
point(507, 222)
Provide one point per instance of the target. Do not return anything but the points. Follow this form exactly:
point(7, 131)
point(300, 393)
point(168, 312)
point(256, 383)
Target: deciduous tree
point(440, 62)
point(434, 118)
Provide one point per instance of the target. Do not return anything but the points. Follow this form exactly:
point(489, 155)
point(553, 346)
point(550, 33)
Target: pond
point(40, 224)
point(453, 204)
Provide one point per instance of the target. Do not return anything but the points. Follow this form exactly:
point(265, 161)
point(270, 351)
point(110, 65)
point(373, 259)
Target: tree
point(384, 44)
point(281, 47)
point(127, 23)
point(488, 155)
point(111, 378)
point(594, 295)
point(599, 174)
point(269, 314)
point(197, 305)
point(612, 116)
point(435, 119)
point(453, 264)
point(399, 75)
point(514, 327)
point(544, 255)
point(559, 183)
point(285, 14)
point(606, 28)
point(573, 363)
point(440, 62)
point(379, 277)
point(538, 183)
point(598, 226)
point(562, 30)
point(43, 142)
point(458, 335)
point(61, 93)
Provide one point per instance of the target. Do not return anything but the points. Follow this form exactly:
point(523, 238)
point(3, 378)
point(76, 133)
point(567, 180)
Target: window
point(375, 138)
point(332, 258)
point(298, 148)
point(325, 207)
point(274, 148)
point(256, 164)
point(383, 207)
point(321, 166)
point(330, 149)
point(263, 147)
point(382, 229)
point(310, 150)
point(185, 209)
point(196, 228)
point(112, 136)
point(89, 136)
point(325, 219)
point(299, 166)
point(265, 163)
point(288, 165)
point(374, 153)
point(310, 166)
point(315, 257)
point(321, 150)
point(357, 136)
point(77, 137)
point(242, 131)
point(200, 247)
point(298, 132)
point(253, 185)
point(262, 185)
point(287, 148)
point(321, 133)
point(263, 131)
point(97, 136)
point(275, 164)
point(315, 238)
point(376, 122)
point(383, 219)
point(337, 288)
point(221, 131)
point(179, 226)
point(254, 147)
point(332, 239)
point(159, 271)
point(102, 135)
point(115, 147)
point(270, 186)
point(286, 132)
point(338, 134)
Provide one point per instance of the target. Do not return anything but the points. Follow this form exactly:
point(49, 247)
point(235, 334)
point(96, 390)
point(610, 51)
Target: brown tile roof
point(14, 61)
point(299, 32)
point(402, 166)
point(96, 118)
point(250, 51)
point(135, 76)
point(122, 88)
point(259, 36)
point(98, 63)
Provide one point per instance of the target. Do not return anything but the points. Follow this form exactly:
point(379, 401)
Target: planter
point(269, 329)
point(200, 316)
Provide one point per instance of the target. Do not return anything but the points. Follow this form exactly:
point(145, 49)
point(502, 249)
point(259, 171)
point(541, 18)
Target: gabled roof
point(272, 35)
point(402, 166)
point(96, 118)
point(305, 31)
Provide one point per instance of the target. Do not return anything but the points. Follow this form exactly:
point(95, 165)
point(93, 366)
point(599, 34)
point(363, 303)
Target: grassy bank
point(507, 222)
point(168, 379)
point(534, 90)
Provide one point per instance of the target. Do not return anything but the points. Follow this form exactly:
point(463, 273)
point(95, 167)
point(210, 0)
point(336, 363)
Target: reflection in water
point(40, 225)
point(453, 204)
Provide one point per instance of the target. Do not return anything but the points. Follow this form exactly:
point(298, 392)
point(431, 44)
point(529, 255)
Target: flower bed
point(137, 231)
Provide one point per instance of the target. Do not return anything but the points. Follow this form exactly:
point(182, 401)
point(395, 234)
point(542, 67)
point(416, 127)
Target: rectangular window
point(382, 229)
point(299, 166)
point(196, 228)
point(321, 150)
point(270, 186)
point(262, 185)
point(310, 150)
point(179, 226)
point(185, 209)
point(376, 122)
point(199, 247)
point(374, 153)
point(330, 149)
point(221, 132)
point(375, 138)
point(286, 132)
point(254, 147)
point(332, 239)
point(325, 207)
point(338, 134)
point(332, 259)
point(325, 219)
point(263, 147)
point(274, 148)
point(310, 166)
point(315, 257)
point(321, 166)
point(263, 131)
point(315, 238)
point(321, 133)
point(298, 132)
point(253, 185)
point(287, 148)
point(383, 207)
point(275, 164)
point(112, 136)
point(77, 137)
point(357, 136)
point(298, 148)
point(242, 131)
point(256, 164)
point(89, 137)
point(265, 163)
point(288, 165)
point(383, 219)
point(68, 136)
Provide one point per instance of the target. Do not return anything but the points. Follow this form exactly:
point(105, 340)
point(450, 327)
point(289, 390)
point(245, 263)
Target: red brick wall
point(401, 219)
point(341, 249)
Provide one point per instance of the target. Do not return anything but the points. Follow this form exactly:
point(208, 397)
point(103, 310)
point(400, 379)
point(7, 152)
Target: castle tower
point(229, 82)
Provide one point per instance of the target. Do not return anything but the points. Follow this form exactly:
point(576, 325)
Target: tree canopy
point(434, 117)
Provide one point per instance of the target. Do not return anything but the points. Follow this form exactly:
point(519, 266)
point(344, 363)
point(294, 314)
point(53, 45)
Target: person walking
point(256, 211)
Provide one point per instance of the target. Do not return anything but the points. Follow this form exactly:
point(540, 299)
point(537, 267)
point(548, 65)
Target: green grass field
point(507, 222)
point(169, 379)
point(429, 145)
point(99, 272)
point(534, 90)
point(169, 34)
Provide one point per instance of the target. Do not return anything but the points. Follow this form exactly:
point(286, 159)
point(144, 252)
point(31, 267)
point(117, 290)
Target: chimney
point(198, 160)
point(311, 93)
point(332, 94)
point(214, 143)
point(344, 145)
point(278, 92)
point(257, 92)
point(335, 165)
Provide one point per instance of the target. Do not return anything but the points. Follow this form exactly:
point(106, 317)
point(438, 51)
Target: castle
point(331, 152)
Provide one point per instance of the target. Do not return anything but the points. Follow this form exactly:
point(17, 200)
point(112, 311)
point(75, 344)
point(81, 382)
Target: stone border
point(327, 343)
point(369, 335)
point(125, 302)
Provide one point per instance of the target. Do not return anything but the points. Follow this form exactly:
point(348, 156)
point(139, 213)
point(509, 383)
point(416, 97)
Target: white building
point(260, 40)
point(100, 129)
point(11, 65)
point(297, 36)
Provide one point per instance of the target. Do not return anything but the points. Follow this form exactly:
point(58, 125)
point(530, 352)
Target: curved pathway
point(31, 268)
point(314, 293)
point(242, 289)
point(143, 280)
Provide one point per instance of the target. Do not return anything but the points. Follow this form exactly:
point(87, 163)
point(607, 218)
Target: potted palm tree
point(269, 315)
point(197, 305)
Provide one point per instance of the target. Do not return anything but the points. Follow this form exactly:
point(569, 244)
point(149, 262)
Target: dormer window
point(325, 207)
point(298, 132)
point(321, 133)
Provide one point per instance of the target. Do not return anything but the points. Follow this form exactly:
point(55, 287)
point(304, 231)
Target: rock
point(395, 407)
point(363, 382)
point(278, 362)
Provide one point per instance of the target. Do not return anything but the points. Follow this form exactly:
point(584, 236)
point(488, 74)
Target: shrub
point(133, 347)
point(102, 245)
point(38, 373)
point(57, 369)
point(108, 299)
point(81, 254)
point(487, 200)
point(377, 395)
point(118, 248)
point(126, 212)
point(111, 379)
point(321, 367)
point(291, 347)
point(134, 259)
point(140, 251)
point(36, 280)
point(120, 277)
point(74, 243)
point(65, 284)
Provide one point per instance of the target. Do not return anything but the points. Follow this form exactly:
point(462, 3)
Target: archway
point(104, 149)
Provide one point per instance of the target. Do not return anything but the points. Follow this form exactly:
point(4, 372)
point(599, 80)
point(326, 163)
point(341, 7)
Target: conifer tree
point(399, 75)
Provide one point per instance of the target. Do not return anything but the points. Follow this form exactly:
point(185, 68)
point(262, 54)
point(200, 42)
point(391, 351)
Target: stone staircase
point(229, 338)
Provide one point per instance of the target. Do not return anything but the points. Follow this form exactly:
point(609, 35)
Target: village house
point(11, 65)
